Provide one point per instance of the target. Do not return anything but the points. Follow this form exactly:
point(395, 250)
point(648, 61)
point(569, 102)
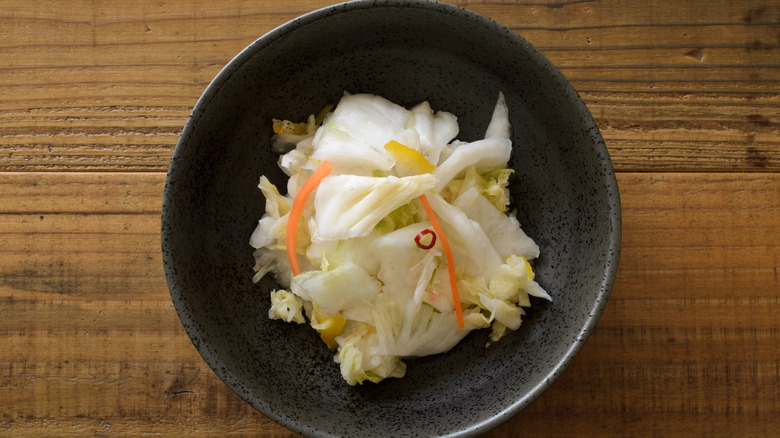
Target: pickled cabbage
point(368, 285)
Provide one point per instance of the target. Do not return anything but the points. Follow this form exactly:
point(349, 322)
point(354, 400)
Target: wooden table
point(93, 97)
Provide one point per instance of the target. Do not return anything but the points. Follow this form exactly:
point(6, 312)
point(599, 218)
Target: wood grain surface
point(93, 97)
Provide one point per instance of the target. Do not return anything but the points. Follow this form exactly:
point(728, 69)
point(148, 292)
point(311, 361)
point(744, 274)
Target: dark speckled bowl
point(407, 51)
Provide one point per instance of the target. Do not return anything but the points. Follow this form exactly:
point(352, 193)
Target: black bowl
point(408, 52)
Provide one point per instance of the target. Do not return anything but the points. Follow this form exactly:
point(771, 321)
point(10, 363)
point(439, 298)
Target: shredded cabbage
point(352, 205)
point(367, 285)
point(286, 306)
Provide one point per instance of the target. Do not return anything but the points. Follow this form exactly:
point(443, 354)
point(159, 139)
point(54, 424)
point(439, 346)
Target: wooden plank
point(99, 87)
point(697, 234)
point(84, 236)
point(99, 193)
point(616, 13)
point(596, 35)
point(690, 332)
point(714, 399)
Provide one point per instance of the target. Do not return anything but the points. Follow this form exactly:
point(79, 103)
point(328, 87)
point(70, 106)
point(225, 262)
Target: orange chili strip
point(296, 210)
point(447, 253)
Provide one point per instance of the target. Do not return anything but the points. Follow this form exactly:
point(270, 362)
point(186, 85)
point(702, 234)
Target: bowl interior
point(407, 52)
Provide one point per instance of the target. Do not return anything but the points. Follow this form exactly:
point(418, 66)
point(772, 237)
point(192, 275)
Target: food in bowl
point(394, 239)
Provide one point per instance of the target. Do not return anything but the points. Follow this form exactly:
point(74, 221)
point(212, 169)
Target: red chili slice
point(418, 239)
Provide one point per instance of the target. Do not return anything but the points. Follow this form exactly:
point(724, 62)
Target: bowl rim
point(269, 38)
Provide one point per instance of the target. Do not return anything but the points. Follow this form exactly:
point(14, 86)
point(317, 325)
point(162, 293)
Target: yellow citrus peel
point(288, 127)
point(528, 266)
point(331, 328)
point(407, 160)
